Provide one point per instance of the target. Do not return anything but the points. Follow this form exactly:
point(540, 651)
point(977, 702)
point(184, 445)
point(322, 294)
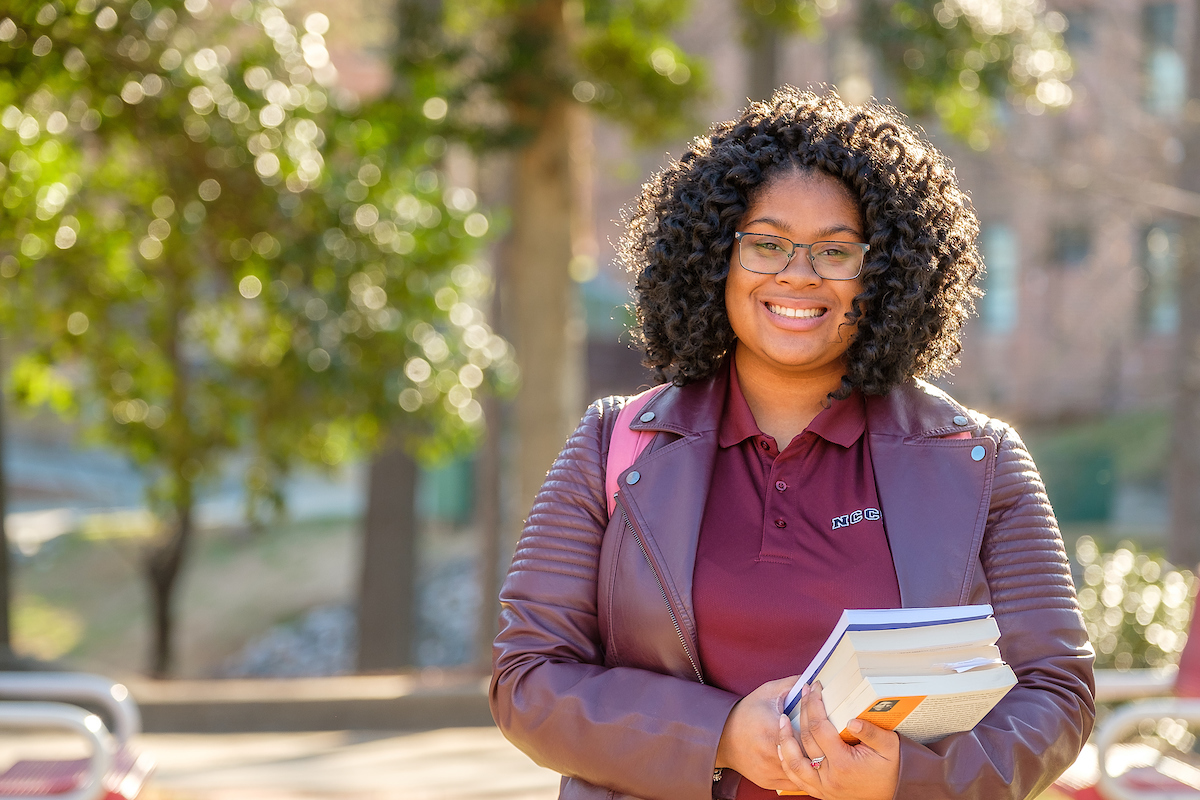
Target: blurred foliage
point(205, 245)
point(490, 70)
point(42, 630)
point(965, 60)
point(962, 60)
point(1136, 607)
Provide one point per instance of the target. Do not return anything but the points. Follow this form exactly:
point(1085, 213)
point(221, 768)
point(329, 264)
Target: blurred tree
point(521, 77)
point(206, 248)
point(955, 60)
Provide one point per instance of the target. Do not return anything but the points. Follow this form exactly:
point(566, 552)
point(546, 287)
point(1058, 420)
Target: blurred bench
point(74, 703)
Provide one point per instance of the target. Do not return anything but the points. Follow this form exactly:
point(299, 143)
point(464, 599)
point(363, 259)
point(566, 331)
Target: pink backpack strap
point(626, 445)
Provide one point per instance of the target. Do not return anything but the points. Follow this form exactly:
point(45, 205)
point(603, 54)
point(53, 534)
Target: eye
point(833, 250)
point(768, 245)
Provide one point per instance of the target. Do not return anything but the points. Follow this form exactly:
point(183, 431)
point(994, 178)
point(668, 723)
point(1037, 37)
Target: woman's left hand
point(869, 770)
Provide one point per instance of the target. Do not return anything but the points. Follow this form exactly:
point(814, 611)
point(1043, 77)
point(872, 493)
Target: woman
point(797, 271)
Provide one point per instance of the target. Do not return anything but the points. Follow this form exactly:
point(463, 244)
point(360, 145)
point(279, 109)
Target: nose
point(799, 271)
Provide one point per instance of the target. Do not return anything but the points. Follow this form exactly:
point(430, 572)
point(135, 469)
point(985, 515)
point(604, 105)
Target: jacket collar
point(916, 408)
point(934, 491)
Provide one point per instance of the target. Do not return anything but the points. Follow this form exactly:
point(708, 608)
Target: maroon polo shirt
point(789, 539)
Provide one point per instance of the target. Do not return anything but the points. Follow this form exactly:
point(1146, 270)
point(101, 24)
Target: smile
point(795, 313)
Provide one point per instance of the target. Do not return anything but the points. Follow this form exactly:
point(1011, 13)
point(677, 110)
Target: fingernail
point(855, 726)
point(804, 690)
point(783, 722)
point(817, 686)
point(779, 751)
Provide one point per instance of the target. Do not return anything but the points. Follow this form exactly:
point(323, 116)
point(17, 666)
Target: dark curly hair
point(918, 279)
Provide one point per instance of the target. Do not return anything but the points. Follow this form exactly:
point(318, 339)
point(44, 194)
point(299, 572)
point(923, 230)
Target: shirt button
point(779, 523)
point(633, 477)
point(960, 420)
point(647, 417)
point(977, 453)
point(780, 485)
point(765, 445)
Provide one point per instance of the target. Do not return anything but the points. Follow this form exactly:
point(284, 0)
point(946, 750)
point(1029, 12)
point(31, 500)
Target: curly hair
point(918, 279)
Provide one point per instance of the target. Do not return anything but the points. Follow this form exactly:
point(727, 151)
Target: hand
point(749, 741)
point(869, 770)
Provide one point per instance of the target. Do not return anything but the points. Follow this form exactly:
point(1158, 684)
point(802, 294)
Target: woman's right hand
point(750, 738)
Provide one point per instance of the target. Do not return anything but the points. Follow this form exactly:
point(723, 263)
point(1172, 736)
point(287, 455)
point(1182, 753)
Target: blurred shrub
point(1136, 606)
point(1083, 462)
point(44, 630)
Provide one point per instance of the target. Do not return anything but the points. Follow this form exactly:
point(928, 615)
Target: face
point(794, 323)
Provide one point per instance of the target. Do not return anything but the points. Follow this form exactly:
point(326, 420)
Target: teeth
point(795, 313)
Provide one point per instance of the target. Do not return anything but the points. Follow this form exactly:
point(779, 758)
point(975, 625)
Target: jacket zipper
point(661, 588)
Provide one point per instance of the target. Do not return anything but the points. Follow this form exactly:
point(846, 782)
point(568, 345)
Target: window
point(1072, 244)
point(998, 309)
point(1164, 75)
point(1159, 307)
point(1079, 28)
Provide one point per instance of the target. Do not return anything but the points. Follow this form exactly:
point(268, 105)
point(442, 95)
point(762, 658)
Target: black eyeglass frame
point(812, 262)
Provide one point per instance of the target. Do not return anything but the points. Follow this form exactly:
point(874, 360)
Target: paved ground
point(445, 764)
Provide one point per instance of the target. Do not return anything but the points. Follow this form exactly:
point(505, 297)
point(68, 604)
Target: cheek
point(737, 299)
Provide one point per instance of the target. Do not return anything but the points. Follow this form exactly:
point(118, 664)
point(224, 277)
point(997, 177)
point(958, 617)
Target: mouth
point(796, 313)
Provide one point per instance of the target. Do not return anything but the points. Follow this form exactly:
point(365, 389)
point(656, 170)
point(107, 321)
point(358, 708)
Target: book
point(922, 672)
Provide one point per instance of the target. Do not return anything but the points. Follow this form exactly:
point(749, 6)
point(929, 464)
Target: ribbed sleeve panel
point(1027, 565)
point(566, 525)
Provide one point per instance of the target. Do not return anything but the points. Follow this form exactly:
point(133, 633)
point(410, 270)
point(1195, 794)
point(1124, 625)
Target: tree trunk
point(763, 53)
point(387, 588)
point(163, 563)
point(549, 336)
point(1184, 544)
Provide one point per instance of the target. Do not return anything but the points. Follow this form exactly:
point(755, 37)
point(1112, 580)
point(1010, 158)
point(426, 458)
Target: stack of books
point(922, 672)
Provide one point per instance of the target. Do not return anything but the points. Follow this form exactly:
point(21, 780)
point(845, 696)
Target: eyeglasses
point(770, 255)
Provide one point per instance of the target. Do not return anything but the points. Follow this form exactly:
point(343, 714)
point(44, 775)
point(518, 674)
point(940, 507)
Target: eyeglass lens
point(771, 254)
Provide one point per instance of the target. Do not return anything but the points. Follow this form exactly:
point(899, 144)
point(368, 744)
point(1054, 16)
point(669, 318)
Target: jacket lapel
point(934, 492)
point(681, 468)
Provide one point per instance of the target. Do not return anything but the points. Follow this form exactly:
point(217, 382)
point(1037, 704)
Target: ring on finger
point(816, 762)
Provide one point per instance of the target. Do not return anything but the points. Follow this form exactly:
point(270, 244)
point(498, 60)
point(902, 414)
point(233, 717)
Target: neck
point(783, 402)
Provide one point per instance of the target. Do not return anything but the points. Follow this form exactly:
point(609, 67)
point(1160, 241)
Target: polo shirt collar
point(842, 423)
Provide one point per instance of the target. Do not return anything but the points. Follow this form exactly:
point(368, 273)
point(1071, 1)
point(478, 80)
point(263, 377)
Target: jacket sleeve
point(1040, 726)
point(641, 733)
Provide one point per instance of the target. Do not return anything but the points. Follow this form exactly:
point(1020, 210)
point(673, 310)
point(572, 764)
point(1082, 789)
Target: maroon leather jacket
point(597, 673)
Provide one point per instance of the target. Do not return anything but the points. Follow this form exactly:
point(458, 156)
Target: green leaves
point(962, 59)
point(502, 64)
point(1136, 607)
point(638, 76)
point(209, 248)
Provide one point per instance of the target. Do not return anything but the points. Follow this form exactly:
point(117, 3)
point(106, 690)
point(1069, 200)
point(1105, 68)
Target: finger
point(784, 687)
point(809, 714)
point(884, 742)
point(795, 764)
point(825, 736)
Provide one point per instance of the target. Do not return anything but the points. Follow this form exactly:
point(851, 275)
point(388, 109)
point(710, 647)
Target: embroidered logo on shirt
point(846, 520)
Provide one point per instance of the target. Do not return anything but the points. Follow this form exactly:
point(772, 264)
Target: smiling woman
point(799, 270)
point(793, 325)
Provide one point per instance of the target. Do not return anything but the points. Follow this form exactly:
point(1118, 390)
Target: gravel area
point(324, 640)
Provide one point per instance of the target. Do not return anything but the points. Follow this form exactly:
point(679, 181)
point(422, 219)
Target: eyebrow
point(823, 232)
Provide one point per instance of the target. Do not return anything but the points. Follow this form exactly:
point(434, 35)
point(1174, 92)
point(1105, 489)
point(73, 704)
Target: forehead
point(805, 198)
